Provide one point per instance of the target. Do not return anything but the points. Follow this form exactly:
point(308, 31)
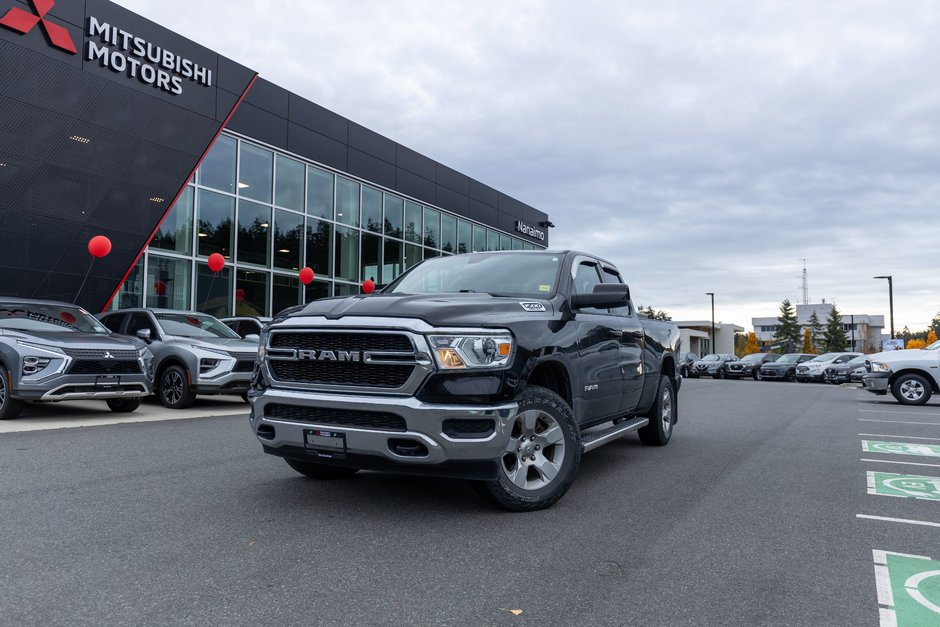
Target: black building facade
point(113, 125)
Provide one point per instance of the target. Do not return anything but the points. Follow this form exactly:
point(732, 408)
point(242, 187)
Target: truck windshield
point(532, 275)
point(194, 325)
point(933, 346)
point(46, 317)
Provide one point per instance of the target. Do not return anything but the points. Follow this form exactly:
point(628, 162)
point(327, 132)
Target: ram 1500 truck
point(499, 367)
point(912, 375)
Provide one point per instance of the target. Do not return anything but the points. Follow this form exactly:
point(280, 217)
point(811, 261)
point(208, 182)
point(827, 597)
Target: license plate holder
point(107, 382)
point(325, 443)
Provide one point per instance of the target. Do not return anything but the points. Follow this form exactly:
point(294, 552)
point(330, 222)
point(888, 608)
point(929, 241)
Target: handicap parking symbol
point(901, 448)
point(908, 589)
point(910, 486)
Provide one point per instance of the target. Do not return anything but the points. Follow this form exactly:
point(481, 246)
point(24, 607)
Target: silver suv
point(52, 351)
point(194, 353)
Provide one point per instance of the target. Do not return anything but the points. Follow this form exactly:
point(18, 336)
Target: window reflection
point(347, 201)
point(131, 293)
point(432, 227)
point(448, 233)
point(218, 168)
point(255, 171)
point(319, 193)
point(464, 243)
point(413, 255)
point(393, 216)
point(288, 234)
point(285, 292)
point(167, 282)
point(319, 246)
point(392, 259)
point(251, 293)
point(412, 222)
point(479, 239)
point(213, 291)
point(371, 209)
point(254, 232)
point(346, 257)
point(371, 256)
point(289, 188)
point(214, 226)
point(175, 232)
point(317, 289)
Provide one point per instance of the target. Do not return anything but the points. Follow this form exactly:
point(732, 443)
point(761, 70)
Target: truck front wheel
point(662, 415)
point(541, 457)
point(321, 471)
point(911, 389)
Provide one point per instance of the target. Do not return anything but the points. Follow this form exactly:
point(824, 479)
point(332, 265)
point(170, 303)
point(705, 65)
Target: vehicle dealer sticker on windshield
point(533, 306)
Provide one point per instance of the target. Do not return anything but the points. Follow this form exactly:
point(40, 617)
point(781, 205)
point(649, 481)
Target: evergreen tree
point(834, 338)
point(815, 332)
point(753, 346)
point(788, 329)
point(935, 324)
point(807, 342)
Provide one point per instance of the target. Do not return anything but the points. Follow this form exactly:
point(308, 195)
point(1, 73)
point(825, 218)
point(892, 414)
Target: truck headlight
point(458, 352)
point(879, 366)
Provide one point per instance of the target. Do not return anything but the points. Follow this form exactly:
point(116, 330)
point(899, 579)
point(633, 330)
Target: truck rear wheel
point(911, 389)
point(541, 457)
point(662, 415)
point(321, 471)
point(9, 406)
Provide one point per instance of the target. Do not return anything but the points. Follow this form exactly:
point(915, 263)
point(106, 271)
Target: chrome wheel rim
point(535, 452)
point(172, 387)
point(912, 390)
point(3, 390)
point(666, 413)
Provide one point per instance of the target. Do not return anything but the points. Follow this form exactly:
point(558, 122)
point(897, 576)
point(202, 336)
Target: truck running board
point(594, 439)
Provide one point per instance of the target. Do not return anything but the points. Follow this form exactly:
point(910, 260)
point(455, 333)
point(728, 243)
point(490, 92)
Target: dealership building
point(113, 125)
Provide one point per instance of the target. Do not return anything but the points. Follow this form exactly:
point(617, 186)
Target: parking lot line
point(907, 437)
point(894, 461)
point(902, 594)
point(900, 422)
point(903, 413)
point(899, 520)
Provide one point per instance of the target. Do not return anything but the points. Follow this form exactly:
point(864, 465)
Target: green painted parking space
point(908, 486)
point(908, 589)
point(901, 448)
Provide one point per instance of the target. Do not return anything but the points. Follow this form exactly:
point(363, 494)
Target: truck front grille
point(378, 421)
point(345, 340)
point(104, 366)
point(344, 373)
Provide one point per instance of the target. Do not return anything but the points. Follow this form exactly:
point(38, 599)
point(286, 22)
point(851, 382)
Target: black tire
point(245, 396)
point(720, 374)
point(174, 391)
point(124, 405)
point(9, 407)
point(662, 415)
point(911, 389)
point(321, 471)
point(790, 376)
point(542, 455)
point(757, 376)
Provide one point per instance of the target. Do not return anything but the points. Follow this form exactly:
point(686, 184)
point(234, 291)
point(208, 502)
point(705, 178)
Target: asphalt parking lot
point(774, 503)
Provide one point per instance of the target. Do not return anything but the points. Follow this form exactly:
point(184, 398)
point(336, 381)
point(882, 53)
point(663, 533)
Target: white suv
point(812, 370)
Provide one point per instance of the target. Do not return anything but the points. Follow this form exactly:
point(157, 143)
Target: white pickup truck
point(911, 375)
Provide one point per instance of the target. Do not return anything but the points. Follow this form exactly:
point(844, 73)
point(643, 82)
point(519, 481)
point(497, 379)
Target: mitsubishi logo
point(23, 22)
point(108, 355)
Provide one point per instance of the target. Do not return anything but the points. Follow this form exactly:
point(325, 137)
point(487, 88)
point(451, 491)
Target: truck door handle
point(615, 333)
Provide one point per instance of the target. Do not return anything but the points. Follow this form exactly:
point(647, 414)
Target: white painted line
point(906, 437)
point(887, 618)
point(900, 422)
point(871, 490)
point(903, 413)
point(883, 583)
point(891, 461)
point(899, 520)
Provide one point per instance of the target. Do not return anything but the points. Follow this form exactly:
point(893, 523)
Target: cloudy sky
point(701, 146)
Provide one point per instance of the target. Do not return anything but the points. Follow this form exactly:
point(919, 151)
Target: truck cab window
point(585, 278)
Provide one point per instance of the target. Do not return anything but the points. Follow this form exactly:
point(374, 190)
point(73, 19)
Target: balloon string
point(87, 272)
point(205, 305)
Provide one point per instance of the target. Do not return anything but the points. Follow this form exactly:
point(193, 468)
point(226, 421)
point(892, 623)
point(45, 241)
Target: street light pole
point(713, 347)
point(890, 299)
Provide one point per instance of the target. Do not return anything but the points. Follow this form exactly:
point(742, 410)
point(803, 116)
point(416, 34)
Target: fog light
point(32, 365)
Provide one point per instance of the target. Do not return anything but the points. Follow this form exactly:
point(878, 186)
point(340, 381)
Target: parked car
point(749, 365)
point(52, 351)
point(912, 375)
point(812, 370)
point(247, 325)
point(846, 371)
point(685, 363)
point(713, 365)
point(194, 353)
point(784, 369)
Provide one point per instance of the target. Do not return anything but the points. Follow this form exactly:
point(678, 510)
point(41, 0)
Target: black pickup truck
point(499, 367)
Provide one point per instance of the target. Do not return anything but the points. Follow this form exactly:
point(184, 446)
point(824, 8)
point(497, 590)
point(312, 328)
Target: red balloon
point(306, 275)
point(67, 317)
point(159, 288)
point(216, 262)
point(193, 321)
point(368, 285)
point(99, 246)
point(239, 295)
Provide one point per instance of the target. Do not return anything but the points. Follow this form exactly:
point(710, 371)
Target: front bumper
point(744, 371)
point(74, 387)
point(228, 383)
point(809, 375)
point(876, 382)
point(367, 447)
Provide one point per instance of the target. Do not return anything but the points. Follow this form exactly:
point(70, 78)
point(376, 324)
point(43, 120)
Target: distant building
point(863, 330)
point(696, 336)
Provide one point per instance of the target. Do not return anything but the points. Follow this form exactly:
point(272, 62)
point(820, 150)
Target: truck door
point(632, 339)
point(599, 336)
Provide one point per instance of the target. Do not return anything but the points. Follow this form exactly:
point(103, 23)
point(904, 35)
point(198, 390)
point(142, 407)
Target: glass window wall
point(255, 173)
point(371, 209)
point(218, 168)
point(346, 257)
point(319, 246)
point(319, 193)
point(289, 190)
point(167, 282)
point(216, 213)
point(317, 289)
point(393, 216)
point(288, 239)
point(432, 228)
point(413, 255)
point(254, 233)
point(371, 258)
point(464, 238)
point(213, 291)
point(251, 293)
point(175, 232)
point(347, 201)
point(285, 292)
point(479, 238)
point(413, 222)
point(448, 233)
point(392, 258)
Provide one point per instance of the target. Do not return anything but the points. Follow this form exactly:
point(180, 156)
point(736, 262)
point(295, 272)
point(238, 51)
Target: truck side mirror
point(144, 334)
point(252, 337)
point(604, 296)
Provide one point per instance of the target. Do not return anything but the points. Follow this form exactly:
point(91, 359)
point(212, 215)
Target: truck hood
point(72, 339)
point(911, 354)
point(435, 309)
